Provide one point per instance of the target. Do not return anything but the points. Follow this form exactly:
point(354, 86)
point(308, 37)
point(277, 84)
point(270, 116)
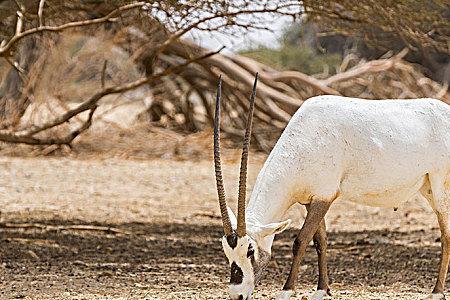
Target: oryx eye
point(250, 251)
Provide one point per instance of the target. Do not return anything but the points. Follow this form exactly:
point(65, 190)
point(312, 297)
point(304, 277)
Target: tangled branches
point(280, 93)
point(28, 21)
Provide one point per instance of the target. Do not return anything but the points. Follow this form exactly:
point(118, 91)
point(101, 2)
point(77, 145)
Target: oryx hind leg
point(320, 243)
point(434, 190)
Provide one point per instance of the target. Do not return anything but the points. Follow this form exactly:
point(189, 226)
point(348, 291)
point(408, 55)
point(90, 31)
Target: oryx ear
point(233, 219)
point(273, 228)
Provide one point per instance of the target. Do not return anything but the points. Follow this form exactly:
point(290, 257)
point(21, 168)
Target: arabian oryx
point(378, 153)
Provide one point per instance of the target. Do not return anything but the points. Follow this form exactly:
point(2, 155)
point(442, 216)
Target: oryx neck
point(267, 205)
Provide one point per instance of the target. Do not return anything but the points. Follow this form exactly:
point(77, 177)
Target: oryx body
point(378, 153)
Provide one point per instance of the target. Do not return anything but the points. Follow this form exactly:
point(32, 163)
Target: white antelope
point(378, 153)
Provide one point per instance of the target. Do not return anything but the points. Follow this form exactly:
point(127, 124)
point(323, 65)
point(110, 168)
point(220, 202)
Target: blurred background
point(106, 110)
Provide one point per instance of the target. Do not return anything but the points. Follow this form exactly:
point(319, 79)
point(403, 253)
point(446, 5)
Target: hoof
point(435, 297)
point(319, 295)
point(285, 295)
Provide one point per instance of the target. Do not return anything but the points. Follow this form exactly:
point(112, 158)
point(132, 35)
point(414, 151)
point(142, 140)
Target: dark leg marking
point(236, 274)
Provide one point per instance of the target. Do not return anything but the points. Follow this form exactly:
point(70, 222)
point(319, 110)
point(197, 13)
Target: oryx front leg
point(316, 212)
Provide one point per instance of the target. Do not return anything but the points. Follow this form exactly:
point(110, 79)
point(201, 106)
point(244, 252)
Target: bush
point(298, 58)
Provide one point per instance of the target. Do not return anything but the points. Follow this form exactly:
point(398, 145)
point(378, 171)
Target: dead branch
point(47, 227)
point(286, 76)
point(19, 35)
point(375, 66)
point(41, 13)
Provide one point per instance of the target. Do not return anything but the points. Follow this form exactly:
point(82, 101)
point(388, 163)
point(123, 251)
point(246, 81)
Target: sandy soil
point(166, 245)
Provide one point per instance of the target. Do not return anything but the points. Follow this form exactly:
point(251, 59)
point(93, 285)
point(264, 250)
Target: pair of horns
point(241, 227)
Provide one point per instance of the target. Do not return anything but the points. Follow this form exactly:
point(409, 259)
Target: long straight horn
point(241, 227)
point(227, 229)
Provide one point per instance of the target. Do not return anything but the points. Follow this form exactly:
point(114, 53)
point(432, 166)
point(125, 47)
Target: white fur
point(239, 256)
point(264, 235)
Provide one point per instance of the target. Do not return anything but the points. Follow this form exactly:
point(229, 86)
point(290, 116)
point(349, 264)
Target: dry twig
point(47, 227)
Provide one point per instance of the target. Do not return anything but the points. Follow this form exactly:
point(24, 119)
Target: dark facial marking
point(250, 251)
point(236, 274)
point(241, 297)
point(232, 240)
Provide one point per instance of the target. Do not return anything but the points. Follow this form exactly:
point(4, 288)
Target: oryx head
point(244, 246)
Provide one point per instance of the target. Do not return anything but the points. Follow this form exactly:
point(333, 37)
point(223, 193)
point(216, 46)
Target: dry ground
point(168, 247)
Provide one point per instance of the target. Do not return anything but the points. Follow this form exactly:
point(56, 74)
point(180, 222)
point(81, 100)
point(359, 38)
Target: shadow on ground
point(166, 258)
